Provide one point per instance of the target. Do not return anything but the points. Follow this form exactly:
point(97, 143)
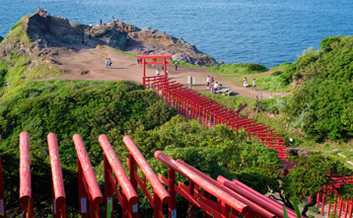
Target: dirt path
point(92, 62)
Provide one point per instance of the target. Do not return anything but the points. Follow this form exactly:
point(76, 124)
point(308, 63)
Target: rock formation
point(47, 33)
point(166, 44)
point(1, 38)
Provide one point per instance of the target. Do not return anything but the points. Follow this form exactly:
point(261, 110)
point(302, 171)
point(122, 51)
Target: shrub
point(276, 73)
point(326, 43)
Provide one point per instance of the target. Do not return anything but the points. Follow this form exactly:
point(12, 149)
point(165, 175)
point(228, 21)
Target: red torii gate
point(154, 61)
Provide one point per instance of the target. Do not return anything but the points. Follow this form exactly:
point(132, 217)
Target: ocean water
point(268, 32)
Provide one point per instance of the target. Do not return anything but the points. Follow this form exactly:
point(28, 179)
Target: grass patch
point(271, 83)
point(183, 63)
point(122, 52)
point(281, 66)
point(232, 102)
point(16, 68)
point(236, 72)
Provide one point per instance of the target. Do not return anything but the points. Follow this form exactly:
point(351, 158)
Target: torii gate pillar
point(154, 61)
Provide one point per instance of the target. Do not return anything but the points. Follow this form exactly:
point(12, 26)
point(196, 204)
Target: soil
point(89, 64)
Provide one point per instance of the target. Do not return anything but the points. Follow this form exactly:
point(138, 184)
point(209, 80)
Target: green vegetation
point(240, 68)
point(323, 103)
point(232, 102)
point(183, 63)
point(236, 72)
point(272, 82)
point(312, 174)
point(122, 52)
point(18, 35)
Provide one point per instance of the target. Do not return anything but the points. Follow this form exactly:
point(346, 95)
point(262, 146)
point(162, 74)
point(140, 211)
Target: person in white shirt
point(157, 72)
point(253, 85)
point(208, 81)
point(216, 88)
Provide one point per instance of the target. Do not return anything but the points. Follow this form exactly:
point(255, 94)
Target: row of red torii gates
point(208, 112)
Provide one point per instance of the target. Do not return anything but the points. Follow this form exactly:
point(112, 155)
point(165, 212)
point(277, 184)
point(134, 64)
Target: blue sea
point(268, 32)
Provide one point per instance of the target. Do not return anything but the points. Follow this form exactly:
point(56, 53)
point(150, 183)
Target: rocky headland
point(41, 33)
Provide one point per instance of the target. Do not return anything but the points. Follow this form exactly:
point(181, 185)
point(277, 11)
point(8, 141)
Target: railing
point(160, 195)
point(87, 182)
point(228, 205)
point(2, 191)
point(128, 198)
point(58, 191)
point(25, 177)
point(265, 202)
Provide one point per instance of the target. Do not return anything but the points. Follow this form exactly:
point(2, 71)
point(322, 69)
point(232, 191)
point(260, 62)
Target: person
point(83, 42)
point(212, 80)
point(208, 81)
point(101, 22)
point(166, 73)
point(106, 63)
point(176, 65)
point(112, 18)
point(138, 61)
point(220, 87)
point(127, 38)
point(254, 85)
point(211, 87)
point(109, 63)
point(157, 72)
point(216, 88)
point(245, 83)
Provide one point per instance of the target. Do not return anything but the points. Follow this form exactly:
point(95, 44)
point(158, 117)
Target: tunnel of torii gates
point(155, 59)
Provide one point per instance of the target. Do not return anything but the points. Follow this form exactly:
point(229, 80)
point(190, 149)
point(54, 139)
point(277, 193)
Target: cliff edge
point(41, 33)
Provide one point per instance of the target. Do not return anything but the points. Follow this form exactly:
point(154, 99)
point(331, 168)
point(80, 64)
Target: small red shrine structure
point(155, 60)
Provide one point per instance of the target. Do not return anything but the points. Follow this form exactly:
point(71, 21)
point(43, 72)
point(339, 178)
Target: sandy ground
point(124, 67)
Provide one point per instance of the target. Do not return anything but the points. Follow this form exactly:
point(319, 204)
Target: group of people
point(215, 87)
point(212, 85)
point(245, 83)
point(108, 63)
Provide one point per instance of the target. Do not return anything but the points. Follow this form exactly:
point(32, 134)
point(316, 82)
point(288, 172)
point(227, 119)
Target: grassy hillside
point(322, 105)
point(91, 108)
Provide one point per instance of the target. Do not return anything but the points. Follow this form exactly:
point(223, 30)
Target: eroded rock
point(46, 32)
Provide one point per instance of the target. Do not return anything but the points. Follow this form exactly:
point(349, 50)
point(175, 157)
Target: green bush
point(276, 73)
point(3, 72)
point(246, 68)
point(326, 43)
